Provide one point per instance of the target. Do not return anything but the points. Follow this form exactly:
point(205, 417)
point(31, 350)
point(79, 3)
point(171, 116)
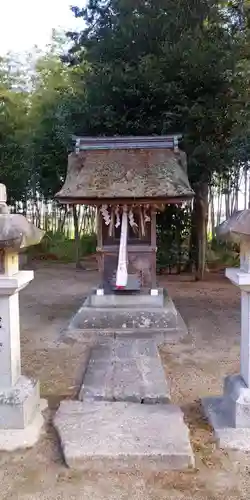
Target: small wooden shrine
point(124, 391)
point(128, 179)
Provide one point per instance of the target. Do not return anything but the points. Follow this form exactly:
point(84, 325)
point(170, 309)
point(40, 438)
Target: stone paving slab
point(102, 436)
point(216, 411)
point(125, 371)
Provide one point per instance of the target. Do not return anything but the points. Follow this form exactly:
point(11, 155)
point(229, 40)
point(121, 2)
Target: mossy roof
point(126, 174)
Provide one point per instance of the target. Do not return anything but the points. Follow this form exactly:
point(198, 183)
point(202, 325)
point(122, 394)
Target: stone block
point(102, 436)
point(97, 382)
point(15, 439)
point(19, 404)
point(225, 434)
point(132, 300)
point(230, 415)
point(123, 349)
point(126, 371)
point(237, 401)
point(164, 324)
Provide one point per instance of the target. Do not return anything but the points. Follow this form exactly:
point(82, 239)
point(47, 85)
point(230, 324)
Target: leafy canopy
point(162, 66)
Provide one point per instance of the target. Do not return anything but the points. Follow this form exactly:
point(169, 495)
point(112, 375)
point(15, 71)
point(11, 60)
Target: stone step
point(125, 371)
point(127, 300)
point(104, 436)
point(164, 324)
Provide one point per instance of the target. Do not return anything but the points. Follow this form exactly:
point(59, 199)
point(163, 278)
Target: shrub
point(56, 246)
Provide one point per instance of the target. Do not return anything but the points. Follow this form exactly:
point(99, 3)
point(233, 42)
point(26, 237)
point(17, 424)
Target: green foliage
point(222, 254)
point(139, 67)
point(183, 76)
point(162, 66)
point(173, 228)
point(55, 246)
point(54, 100)
point(13, 110)
point(39, 107)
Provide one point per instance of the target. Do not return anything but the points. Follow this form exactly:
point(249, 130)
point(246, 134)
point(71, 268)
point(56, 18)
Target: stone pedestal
point(20, 413)
point(230, 414)
point(237, 401)
point(129, 315)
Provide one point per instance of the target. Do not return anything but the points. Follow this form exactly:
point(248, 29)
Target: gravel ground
point(196, 367)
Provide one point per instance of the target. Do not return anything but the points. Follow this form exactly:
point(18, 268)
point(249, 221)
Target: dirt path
point(196, 367)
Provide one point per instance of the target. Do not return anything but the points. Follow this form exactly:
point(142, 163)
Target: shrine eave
point(129, 142)
point(129, 201)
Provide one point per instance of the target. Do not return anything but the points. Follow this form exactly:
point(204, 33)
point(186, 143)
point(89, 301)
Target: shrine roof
point(126, 168)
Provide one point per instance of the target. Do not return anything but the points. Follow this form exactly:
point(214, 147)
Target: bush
point(55, 246)
point(173, 230)
point(223, 253)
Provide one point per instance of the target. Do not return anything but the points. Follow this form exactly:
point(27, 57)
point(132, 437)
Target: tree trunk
point(236, 205)
point(212, 213)
point(62, 220)
point(248, 190)
point(245, 188)
point(219, 208)
point(25, 208)
point(200, 221)
point(227, 200)
point(189, 267)
point(77, 237)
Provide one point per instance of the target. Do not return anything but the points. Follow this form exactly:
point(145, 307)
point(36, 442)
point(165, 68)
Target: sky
point(25, 23)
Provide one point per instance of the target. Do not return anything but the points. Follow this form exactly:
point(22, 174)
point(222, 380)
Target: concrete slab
point(91, 324)
point(19, 404)
point(126, 371)
point(124, 299)
point(16, 439)
point(104, 436)
point(227, 436)
point(237, 400)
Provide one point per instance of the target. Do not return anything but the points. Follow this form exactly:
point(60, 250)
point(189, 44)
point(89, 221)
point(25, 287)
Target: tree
point(158, 66)
point(55, 103)
point(13, 112)
point(55, 99)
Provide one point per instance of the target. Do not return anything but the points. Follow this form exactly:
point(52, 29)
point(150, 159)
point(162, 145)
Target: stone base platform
point(21, 420)
point(19, 404)
point(102, 436)
point(229, 415)
point(125, 371)
point(15, 439)
point(225, 435)
point(121, 315)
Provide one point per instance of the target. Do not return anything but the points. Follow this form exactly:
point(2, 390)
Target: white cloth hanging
point(122, 270)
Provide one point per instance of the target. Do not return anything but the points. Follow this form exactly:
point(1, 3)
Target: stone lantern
point(230, 415)
point(20, 416)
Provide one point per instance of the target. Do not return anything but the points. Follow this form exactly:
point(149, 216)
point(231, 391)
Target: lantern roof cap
point(236, 228)
point(16, 232)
